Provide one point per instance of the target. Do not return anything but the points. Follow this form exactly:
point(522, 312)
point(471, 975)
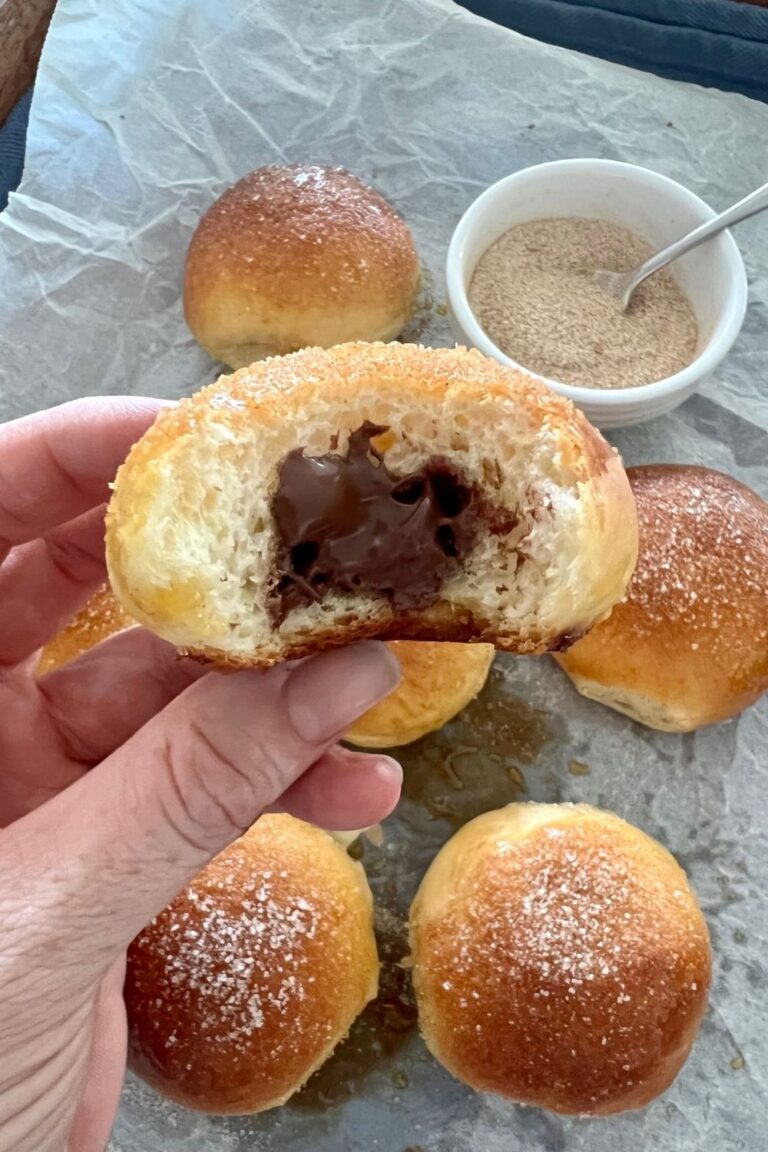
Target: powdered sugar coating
point(232, 991)
point(703, 558)
point(688, 643)
point(238, 964)
point(305, 234)
point(565, 965)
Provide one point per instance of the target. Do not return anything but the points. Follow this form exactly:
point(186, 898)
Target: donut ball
point(240, 989)
point(688, 643)
point(438, 681)
point(559, 959)
point(294, 256)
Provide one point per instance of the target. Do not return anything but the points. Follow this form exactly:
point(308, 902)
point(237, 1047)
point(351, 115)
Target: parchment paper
point(143, 112)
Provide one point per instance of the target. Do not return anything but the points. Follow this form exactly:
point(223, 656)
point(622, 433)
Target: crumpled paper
point(143, 112)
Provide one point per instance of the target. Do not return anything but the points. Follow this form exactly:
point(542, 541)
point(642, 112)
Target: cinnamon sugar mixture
point(534, 295)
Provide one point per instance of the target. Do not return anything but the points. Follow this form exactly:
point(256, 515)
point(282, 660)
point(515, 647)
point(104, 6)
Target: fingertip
point(345, 790)
point(382, 652)
point(389, 777)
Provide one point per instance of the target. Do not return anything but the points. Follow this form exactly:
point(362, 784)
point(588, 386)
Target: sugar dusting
point(703, 558)
point(534, 293)
point(571, 924)
point(280, 219)
point(568, 954)
point(230, 962)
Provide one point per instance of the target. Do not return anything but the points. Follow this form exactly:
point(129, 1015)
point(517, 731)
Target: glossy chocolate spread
point(346, 523)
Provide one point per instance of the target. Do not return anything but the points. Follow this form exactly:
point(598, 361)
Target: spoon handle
point(756, 202)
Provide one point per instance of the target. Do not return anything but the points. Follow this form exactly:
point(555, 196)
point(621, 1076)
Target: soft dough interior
point(207, 525)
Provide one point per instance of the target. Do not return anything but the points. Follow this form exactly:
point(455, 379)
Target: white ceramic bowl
point(656, 208)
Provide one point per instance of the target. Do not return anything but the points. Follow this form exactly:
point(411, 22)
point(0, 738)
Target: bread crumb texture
point(192, 542)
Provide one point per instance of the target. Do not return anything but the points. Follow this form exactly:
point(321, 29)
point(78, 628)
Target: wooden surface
point(23, 24)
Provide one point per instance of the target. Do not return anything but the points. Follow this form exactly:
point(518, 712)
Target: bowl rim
point(723, 335)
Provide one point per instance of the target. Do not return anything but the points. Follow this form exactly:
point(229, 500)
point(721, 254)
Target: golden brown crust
point(247, 981)
point(279, 390)
point(432, 373)
point(295, 252)
point(465, 628)
point(688, 644)
point(560, 959)
point(101, 618)
point(438, 680)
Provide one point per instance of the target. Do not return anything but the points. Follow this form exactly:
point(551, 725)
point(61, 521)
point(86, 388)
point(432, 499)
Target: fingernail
point(389, 769)
point(325, 694)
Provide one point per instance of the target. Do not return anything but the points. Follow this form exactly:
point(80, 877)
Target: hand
point(123, 773)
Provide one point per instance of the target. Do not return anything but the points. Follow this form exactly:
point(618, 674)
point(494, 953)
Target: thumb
point(104, 856)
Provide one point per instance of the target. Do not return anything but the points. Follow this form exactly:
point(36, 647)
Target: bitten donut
point(688, 644)
point(438, 681)
point(244, 985)
point(370, 490)
point(559, 959)
point(298, 255)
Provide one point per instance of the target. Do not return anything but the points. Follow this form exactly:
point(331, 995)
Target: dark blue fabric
point(13, 136)
point(718, 43)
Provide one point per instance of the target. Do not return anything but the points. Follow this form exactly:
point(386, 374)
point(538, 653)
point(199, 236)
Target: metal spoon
point(622, 284)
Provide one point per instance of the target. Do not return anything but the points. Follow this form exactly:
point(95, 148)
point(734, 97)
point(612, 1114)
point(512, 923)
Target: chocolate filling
point(345, 522)
point(564, 641)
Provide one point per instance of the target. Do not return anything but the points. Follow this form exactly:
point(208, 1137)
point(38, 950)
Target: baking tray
point(126, 148)
point(528, 736)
